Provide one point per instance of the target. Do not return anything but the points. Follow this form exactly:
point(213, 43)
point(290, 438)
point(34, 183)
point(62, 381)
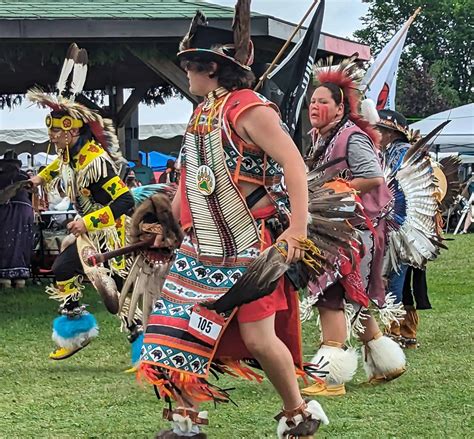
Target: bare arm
point(36, 181)
point(364, 185)
point(262, 126)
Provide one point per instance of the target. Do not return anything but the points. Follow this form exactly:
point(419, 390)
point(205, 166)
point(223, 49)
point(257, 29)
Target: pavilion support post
point(132, 129)
point(131, 105)
point(116, 104)
point(127, 121)
point(168, 71)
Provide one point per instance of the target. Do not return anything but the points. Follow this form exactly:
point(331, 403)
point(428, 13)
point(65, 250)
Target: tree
point(438, 50)
point(417, 94)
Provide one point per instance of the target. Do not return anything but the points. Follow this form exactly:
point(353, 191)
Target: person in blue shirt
point(144, 174)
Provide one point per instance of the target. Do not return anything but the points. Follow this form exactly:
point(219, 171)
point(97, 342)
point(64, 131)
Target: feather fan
point(450, 167)
point(414, 238)
point(329, 233)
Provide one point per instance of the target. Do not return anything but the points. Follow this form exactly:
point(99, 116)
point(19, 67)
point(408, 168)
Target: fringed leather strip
point(64, 290)
point(181, 387)
point(94, 171)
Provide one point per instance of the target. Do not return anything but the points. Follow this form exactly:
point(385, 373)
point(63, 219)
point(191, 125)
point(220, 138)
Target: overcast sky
point(341, 18)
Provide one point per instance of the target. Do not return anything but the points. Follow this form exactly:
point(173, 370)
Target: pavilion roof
point(119, 35)
point(109, 9)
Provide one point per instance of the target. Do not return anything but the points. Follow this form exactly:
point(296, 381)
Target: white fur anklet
point(383, 358)
point(304, 420)
point(338, 360)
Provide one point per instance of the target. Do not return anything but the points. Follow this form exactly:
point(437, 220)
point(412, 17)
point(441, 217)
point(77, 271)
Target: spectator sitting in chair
point(170, 175)
point(144, 174)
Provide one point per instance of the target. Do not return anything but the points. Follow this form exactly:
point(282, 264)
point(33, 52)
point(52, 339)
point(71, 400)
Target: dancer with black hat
point(229, 203)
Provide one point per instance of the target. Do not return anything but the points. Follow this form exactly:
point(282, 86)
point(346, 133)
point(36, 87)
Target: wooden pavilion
point(131, 44)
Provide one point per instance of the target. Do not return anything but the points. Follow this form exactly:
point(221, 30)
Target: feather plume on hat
point(241, 29)
point(203, 42)
point(346, 75)
point(199, 19)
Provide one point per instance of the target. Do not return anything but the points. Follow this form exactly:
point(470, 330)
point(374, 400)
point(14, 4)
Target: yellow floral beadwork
point(115, 187)
point(99, 219)
point(50, 172)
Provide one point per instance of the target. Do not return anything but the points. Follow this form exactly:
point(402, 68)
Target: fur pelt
point(160, 206)
point(74, 333)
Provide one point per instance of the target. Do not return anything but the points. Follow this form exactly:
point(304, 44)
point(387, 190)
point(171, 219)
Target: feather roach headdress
point(66, 113)
point(207, 43)
point(347, 76)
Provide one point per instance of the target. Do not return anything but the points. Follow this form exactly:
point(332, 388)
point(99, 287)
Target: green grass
point(89, 396)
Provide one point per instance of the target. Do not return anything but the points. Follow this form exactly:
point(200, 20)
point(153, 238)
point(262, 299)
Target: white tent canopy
point(152, 137)
point(456, 136)
point(40, 135)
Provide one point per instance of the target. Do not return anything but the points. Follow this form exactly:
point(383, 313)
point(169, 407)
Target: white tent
point(163, 137)
point(40, 135)
point(457, 136)
point(31, 144)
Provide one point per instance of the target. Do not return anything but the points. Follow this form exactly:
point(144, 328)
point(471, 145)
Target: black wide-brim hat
point(11, 157)
point(393, 120)
point(213, 44)
point(206, 43)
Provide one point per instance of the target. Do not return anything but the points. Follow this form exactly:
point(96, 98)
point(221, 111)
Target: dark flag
point(287, 84)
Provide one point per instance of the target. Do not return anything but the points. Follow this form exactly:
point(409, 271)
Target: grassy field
point(89, 396)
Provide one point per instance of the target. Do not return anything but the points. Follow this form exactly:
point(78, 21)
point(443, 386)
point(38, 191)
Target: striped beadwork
point(222, 222)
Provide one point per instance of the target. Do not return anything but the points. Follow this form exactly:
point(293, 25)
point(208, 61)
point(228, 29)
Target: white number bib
point(206, 324)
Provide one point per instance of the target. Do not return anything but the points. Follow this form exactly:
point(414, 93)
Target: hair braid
point(333, 132)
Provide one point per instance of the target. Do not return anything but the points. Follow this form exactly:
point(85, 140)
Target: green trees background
point(436, 67)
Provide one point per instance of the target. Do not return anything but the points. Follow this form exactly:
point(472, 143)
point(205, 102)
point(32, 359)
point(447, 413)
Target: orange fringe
point(180, 386)
point(237, 368)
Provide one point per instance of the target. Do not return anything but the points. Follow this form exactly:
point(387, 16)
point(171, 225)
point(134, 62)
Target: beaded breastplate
point(222, 222)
